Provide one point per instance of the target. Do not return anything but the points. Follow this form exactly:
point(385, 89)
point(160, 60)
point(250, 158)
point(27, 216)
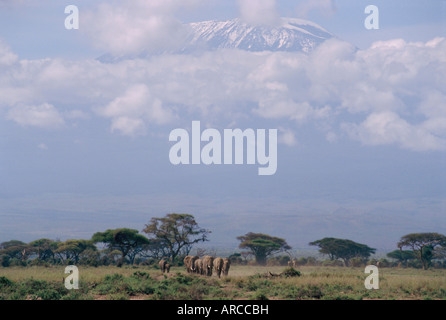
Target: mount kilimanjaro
point(292, 35)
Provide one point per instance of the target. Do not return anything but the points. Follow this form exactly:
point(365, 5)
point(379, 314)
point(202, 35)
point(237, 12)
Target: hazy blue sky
point(84, 145)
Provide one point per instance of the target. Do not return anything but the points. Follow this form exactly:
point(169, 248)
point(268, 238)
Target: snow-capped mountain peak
point(290, 35)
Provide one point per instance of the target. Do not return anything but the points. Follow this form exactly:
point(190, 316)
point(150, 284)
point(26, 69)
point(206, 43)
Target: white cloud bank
point(133, 26)
point(129, 111)
point(43, 116)
point(259, 12)
point(393, 93)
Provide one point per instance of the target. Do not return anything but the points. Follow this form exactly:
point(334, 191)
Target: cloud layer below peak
point(393, 93)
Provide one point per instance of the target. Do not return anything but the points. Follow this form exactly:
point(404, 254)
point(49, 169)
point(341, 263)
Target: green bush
point(118, 296)
point(113, 284)
point(5, 261)
point(261, 296)
point(290, 272)
point(357, 262)
point(77, 295)
point(307, 292)
point(38, 290)
point(141, 275)
point(5, 282)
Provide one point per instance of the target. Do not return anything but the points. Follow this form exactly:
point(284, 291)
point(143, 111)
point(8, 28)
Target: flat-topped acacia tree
point(423, 245)
point(176, 232)
point(262, 245)
point(128, 241)
point(343, 249)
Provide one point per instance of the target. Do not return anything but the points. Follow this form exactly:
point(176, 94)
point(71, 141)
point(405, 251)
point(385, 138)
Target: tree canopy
point(423, 245)
point(176, 232)
point(15, 249)
point(128, 241)
point(402, 256)
point(71, 250)
point(343, 249)
point(44, 248)
point(262, 245)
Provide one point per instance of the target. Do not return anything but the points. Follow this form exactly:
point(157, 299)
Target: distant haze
point(85, 118)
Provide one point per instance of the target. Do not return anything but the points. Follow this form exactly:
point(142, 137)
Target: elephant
point(218, 265)
point(198, 266)
point(207, 265)
point(164, 266)
point(226, 265)
point(189, 262)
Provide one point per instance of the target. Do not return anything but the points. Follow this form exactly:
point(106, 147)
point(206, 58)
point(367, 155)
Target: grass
point(244, 282)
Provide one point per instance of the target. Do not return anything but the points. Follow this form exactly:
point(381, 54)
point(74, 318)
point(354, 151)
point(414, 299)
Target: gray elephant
point(226, 266)
point(189, 263)
point(164, 266)
point(198, 266)
point(208, 262)
point(218, 266)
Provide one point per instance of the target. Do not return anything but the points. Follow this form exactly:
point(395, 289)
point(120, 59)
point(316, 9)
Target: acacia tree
point(128, 241)
point(343, 249)
point(44, 248)
point(176, 232)
point(15, 249)
point(72, 250)
point(403, 256)
point(262, 245)
point(423, 245)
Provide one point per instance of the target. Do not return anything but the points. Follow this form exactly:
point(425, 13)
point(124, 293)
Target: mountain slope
point(290, 35)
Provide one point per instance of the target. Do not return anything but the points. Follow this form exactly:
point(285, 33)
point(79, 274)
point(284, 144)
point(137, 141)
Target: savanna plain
point(243, 283)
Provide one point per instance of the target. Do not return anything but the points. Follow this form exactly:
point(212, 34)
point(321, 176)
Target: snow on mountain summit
point(290, 35)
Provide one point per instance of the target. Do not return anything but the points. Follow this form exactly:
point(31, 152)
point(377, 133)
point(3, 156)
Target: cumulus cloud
point(130, 111)
point(135, 26)
point(387, 128)
point(259, 12)
point(287, 137)
point(43, 116)
point(392, 93)
point(7, 57)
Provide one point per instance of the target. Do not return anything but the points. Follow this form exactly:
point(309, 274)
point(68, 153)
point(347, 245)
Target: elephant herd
point(206, 265)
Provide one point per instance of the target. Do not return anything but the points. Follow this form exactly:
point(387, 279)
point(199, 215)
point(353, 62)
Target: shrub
point(39, 290)
point(5, 282)
point(357, 262)
point(307, 292)
point(384, 263)
point(5, 261)
point(38, 262)
point(118, 296)
point(17, 262)
point(77, 295)
point(290, 272)
point(141, 275)
point(260, 296)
